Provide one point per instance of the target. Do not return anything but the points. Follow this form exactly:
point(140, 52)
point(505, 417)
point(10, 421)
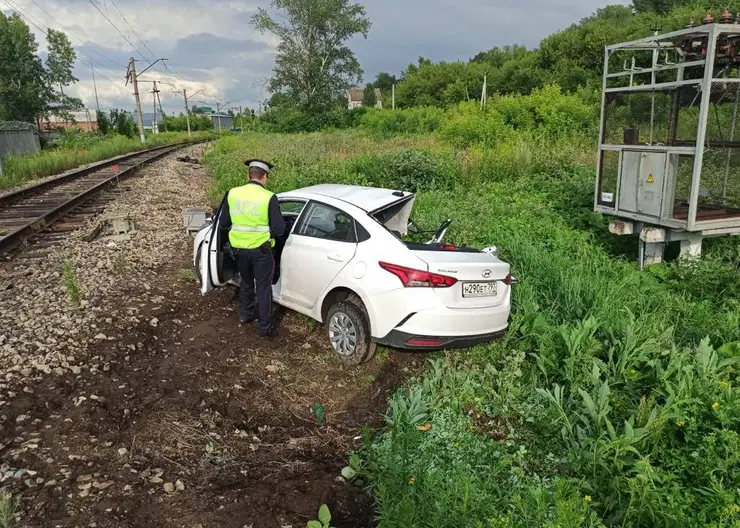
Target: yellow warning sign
point(651, 179)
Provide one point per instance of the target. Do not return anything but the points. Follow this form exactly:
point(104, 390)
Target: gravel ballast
point(42, 330)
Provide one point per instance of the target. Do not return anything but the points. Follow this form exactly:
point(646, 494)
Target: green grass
point(8, 507)
point(71, 284)
point(613, 400)
point(186, 275)
point(18, 170)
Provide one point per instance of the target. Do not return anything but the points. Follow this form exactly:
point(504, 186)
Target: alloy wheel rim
point(342, 334)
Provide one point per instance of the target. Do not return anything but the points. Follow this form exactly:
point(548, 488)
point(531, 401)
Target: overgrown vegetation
point(324, 519)
point(613, 400)
point(71, 284)
point(8, 508)
point(29, 88)
point(75, 149)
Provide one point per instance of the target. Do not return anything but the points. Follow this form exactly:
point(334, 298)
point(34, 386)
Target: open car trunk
point(395, 216)
point(482, 279)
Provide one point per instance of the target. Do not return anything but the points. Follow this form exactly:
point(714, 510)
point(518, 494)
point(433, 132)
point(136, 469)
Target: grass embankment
point(79, 150)
point(613, 401)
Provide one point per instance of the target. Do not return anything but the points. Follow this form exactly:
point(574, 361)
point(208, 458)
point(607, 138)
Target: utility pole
point(95, 87)
point(154, 91)
point(161, 111)
point(219, 106)
point(393, 98)
point(187, 112)
point(131, 75)
point(484, 95)
point(184, 93)
point(241, 119)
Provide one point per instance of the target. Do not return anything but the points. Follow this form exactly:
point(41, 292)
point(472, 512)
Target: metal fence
point(14, 142)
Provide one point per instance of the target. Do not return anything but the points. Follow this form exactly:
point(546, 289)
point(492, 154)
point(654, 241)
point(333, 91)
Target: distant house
point(221, 121)
point(85, 119)
point(202, 110)
point(147, 119)
point(356, 95)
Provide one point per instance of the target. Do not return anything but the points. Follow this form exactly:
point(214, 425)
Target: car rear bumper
point(403, 340)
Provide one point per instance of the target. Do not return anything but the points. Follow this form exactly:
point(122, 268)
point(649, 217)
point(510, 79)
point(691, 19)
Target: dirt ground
point(182, 418)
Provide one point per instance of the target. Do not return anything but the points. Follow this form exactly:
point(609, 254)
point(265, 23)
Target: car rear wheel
point(349, 333)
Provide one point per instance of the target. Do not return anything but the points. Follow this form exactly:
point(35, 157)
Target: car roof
point(366, 198)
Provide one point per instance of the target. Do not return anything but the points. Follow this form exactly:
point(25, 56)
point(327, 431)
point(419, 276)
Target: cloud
point(449, 30)
point(212, 47)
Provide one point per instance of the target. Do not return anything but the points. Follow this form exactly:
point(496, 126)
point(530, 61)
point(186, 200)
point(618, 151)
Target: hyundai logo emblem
point(486, 274)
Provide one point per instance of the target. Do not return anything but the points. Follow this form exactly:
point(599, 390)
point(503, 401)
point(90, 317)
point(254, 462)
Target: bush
point(468, 124)
point(613, 400)
point(546, 115)
point(388, 123)
point(408, 170)
point(292, 119)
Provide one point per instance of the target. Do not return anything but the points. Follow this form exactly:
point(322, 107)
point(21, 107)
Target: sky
point(212, 49)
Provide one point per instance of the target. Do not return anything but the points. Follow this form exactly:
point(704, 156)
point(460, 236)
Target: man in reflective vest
point(254, 220)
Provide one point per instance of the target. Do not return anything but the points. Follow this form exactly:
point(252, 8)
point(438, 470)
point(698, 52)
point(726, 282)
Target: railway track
point(45, 213)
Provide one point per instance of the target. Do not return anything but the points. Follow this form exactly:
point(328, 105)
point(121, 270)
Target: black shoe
point(245, 319)
point(272, 334)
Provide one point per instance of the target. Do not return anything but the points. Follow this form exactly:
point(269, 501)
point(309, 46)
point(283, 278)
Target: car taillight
point(425, 342)
point(448, 247)
point(413, 278)
point(509, 280)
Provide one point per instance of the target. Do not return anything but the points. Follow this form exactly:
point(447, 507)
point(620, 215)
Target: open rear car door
point(214, 265)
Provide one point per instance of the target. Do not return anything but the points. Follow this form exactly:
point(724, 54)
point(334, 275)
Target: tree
point(61, 60)
point(24, 92)
point(659, 6)
point(59, 64)
point(314, 67)
point(496, 57)
point(385, 82)
point(442, 84)
point(123, 123)
point(369, 98)
point(104, 125)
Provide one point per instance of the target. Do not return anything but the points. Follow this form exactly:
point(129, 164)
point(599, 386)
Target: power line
point(36, 23)
point(33, 21)
point(117, 65)
point(132, 29)
point(116, 28)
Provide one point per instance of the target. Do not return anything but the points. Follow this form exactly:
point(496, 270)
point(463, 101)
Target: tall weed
point(73, 151)
point(613, 399)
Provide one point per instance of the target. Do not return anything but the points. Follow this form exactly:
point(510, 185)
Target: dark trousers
point(256, 268)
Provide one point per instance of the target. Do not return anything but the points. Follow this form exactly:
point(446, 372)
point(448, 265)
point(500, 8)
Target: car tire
point(348, 324)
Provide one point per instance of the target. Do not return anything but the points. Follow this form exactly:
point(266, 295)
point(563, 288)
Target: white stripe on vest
point(248, 229)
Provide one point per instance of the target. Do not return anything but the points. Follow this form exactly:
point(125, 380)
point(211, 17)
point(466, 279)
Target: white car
point(343, 262)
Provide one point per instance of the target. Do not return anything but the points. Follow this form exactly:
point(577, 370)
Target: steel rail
point(16, 236)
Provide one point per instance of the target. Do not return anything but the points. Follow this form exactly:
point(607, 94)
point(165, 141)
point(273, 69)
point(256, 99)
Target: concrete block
point(653, 235)
point(119, 224)
point(691, 247)
point(654, 253)
point(621, 227)
point(193, 219)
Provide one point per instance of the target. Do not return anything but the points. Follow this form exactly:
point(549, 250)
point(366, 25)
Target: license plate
point(479, 289)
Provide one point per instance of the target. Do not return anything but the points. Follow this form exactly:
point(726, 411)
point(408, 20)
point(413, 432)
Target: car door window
point(292, 208)
point(328, 223)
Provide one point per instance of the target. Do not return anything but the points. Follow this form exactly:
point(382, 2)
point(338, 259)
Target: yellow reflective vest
point(250, 224)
